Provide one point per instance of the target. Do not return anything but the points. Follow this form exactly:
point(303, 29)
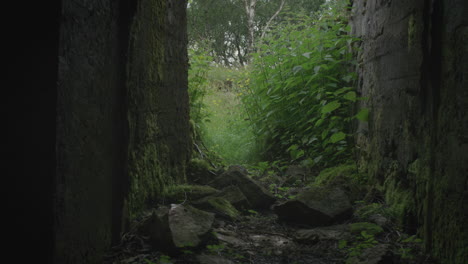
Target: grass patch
point(227, 129)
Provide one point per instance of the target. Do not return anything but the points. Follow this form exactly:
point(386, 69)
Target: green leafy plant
point(361, 242)
point(197, 80)
point(409, 246)
point(280, 192)
point(225, 127)
point(188, 252)
point(216, 249)
point(252, 212)
point(163, 259)
point(301, 91)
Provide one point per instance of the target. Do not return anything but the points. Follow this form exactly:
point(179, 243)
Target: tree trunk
point(250, 12)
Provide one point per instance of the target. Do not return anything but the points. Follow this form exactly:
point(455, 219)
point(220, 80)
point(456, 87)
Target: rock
point(378, 219)
point(295, 173)
point(199, 171)
point(276, 244)
point(236, 197)
point(211, 259)
point(239, 168)
point(230, 238)
point(335, 232)
point(370, 228)
point(257, 196)
point(379, 254)
point(176, 227)
point(219, 206)
point(317, 206)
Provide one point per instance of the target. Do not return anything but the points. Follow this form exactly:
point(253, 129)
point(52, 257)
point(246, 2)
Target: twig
point(185, 194)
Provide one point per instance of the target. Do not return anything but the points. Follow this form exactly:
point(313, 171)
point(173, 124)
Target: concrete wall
point(122, 118)
point(413, 68)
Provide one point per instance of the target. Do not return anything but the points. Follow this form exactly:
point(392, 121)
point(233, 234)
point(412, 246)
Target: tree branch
point(272, 18)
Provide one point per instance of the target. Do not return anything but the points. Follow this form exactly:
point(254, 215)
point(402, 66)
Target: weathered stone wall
point(122, 117)
point(158, 100)
point(413, 68)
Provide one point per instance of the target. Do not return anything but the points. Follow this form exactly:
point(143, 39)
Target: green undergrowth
point(347, 177)
point(302, 89)
point(227, 129)
point(222, 128)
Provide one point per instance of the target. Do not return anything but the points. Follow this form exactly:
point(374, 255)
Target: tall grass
point(217, 111)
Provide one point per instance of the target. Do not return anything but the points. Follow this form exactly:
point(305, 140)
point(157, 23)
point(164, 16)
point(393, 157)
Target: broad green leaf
point(330, 107)
point(319, 122)
point(347, 78)
point(351, 96)
point(297, 69)
point(324, 134)
point(317, 159)
point(317, 69)
point(342, 90)
point(363, 115)
point(307, 54)
point(337, 137)
point(292, 147)
point(270, 113)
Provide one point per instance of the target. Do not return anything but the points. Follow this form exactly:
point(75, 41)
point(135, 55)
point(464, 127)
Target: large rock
point(317, 206)
point(257, 196)
point(296, 173)
point(199, 171)
point(211, 259)
point(177, 227)
point(218, 205)
point(312, 236)
point(236, 197)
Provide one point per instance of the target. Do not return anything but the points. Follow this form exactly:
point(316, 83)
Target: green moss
point(156, 161)
point(199, 171)
point(178, 193)
point(400, 199)
point(220, 206)
point(411, 31)
point(345, 176)
point(369, 209)
point(328, 175)
point(199, 165)
point(370, 228)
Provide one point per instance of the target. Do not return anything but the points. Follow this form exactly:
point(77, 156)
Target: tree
point(229, 29)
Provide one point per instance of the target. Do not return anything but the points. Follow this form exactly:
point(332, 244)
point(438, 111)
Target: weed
point(301, 90)
point(216, 249)
point(361, 242)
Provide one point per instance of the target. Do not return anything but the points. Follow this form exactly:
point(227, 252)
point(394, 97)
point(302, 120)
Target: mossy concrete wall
point(122, 118)
point(159, 142)
point(413, 68)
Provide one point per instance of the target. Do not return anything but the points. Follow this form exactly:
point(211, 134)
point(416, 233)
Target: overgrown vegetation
point(301, 91)
point(293, 103)
point(222, 129)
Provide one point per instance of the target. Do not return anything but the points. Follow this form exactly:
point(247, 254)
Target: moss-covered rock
point(346, 177)
point(236, 197)
point(317, 206)
point(199, 171)
point(218, 205)
point(176, 227)
point(258, 197)
point(180, 193)
point(369, 228)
